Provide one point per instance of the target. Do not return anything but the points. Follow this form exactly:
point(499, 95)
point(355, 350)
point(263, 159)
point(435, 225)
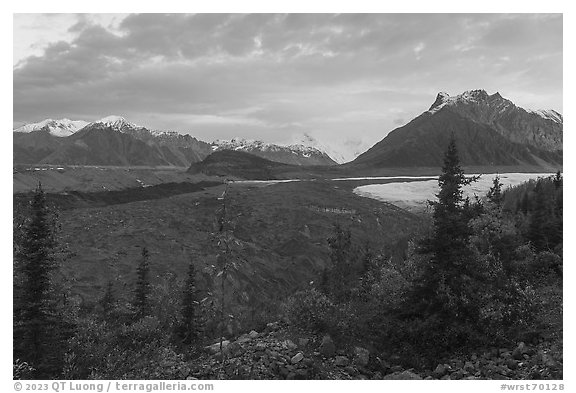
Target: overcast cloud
point(269, 76)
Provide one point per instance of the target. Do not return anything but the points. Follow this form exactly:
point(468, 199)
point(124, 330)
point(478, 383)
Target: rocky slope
point(281, 353)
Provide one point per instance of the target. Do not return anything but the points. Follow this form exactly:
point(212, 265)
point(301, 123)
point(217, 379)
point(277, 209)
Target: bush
point(137, 351)
point(310, 310)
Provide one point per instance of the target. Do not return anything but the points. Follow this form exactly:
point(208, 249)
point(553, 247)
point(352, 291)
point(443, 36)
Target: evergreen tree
point(143, 287)
point(39, 327)
point(443, 286)
point(189, 328)
point(494, 194)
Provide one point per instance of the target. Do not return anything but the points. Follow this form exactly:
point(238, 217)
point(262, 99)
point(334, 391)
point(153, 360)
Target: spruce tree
point(494, 194)
point(442, 288)
point(189, 328)
point(143, 287)
point(39, 329)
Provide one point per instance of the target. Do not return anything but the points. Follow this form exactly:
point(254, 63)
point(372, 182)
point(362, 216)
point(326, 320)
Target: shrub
point(310, 310)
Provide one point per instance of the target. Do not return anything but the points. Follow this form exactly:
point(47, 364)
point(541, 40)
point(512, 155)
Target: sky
point(338, 77)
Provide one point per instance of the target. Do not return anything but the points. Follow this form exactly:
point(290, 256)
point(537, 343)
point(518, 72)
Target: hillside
point(489, 130)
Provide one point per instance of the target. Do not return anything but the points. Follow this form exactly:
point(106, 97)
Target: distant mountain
point(489, 130)
point(296, 154)
point(58, 128)
point(237, 164)
point(103, 144)
point(109, 141)
point(341, 151)
point(33, 146)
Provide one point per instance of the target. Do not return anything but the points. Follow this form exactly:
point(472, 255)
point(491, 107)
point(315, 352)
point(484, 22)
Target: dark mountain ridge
point(490, 131)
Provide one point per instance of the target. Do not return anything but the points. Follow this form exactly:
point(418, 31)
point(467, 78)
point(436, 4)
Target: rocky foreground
point(277, 353)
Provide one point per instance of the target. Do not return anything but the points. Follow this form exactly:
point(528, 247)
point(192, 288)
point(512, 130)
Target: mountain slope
point(31, 147)
point(489, 132)
point(296, 154)
point(99, 144)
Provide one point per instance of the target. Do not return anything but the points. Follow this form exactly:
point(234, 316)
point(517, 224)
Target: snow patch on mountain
point(549, 114)
point(339, 150)
point(495, 101)
point(59, 128)
point(243, 144)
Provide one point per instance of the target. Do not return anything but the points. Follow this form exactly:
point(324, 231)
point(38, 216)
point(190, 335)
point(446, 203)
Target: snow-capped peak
point(470, 97)
point(59, 128)
point(237, 143)
point(116, 122)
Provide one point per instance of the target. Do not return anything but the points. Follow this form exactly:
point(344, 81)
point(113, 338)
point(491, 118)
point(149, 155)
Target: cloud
point(230, 74)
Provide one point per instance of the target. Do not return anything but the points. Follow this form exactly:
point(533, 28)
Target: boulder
point(519, 352)
point(302, 342)
point(290, 345)
point(327, 347)
point(297, 358)
point(273, 326)
point(215, 348)
point(403, 375)
point(440, 371)
point(253, 334)
point(341, 361)
point(233, 349)
point(361, 356)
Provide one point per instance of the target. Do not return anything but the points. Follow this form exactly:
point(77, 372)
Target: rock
point(260, 346)
point(243, 339)
point(234, 349)
point(350, 370)
point(511, 364)
point(377, 375)
point(548, 361)
point(361, 356)
point(440, 371)
point(341, 361)
point(327, 347)
point(290, 345)
point(215, 348)
point(253, 334)
point(301, 374)
point(403, 375)
point(396, 369)
point(469, 367)
point(297, 358)
point(457, 375)
point(273, 326)
point(302, 342)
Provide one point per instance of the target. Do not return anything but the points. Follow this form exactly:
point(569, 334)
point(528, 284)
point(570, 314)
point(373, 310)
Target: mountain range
point(490, 131)
point(113, 141)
